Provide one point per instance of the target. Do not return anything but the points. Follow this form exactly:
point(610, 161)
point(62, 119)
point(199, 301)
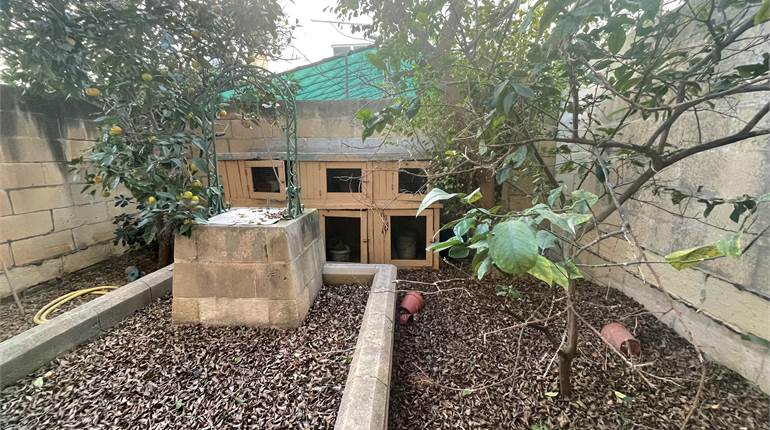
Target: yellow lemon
point(197, 184)
point(222, 114)
point(105, 193)
point(146, 77)
point(187, 195)
point(116, 130)
point(151, 200)
point(193, 168)
point(195, 200)
point(93, 92)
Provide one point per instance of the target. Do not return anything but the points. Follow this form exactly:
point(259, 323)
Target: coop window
point(343, 239)
point(407, 237)
point(265, 180)
point(412, 181)
point(343, 180)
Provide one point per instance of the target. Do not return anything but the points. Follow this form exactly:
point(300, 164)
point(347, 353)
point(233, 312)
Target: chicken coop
point(367, 191)
point(367, 207)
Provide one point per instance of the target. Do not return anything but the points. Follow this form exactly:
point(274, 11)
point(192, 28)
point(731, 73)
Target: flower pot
point(621, 339)
point(340, 254)
point(406, 246)
point(410, 305)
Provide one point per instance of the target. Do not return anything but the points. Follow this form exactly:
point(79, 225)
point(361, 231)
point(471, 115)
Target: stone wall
point(236, 271)
point(724, 303)
point(323, 127)
point(47, 227)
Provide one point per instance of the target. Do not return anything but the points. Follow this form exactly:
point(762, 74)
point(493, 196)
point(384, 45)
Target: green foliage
point(155, 69)
point(730, 246)
point(516, 242)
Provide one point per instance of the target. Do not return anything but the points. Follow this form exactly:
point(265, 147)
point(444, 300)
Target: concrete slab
point(365, 399)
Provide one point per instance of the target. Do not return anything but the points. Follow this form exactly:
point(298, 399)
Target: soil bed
point(448, 374)
point(147, 373)
point(109, 272)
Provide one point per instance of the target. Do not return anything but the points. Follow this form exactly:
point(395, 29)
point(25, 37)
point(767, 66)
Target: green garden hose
point(42, 315)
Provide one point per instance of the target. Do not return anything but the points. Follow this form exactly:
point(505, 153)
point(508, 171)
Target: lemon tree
point(149, 68)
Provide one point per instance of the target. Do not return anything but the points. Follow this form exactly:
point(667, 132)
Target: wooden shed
point(367, 207)
point(367, 191)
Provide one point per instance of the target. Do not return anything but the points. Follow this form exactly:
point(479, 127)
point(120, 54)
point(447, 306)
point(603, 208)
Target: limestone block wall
point(323, 127)
point(232, 271)
point(723, 303)
point(47, 227)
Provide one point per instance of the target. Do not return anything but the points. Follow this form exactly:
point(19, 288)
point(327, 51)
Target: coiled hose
point(42, 315)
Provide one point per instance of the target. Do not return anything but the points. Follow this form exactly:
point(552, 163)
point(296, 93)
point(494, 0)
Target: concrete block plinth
point(240, 270)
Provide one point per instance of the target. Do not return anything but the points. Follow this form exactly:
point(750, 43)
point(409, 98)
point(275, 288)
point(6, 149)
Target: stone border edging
point(364, 403)
point(27, 351)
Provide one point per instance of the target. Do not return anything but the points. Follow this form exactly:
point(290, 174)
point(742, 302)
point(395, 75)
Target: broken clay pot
point(621, 339)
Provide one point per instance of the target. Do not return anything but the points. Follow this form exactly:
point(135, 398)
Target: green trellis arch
point(255, 90)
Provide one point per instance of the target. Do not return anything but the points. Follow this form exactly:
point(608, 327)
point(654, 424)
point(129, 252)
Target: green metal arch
point(267, 88)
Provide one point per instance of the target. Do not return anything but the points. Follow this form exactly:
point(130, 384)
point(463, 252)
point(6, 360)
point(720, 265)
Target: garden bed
point(109, 272)
point(148, 372)
point(449, 374)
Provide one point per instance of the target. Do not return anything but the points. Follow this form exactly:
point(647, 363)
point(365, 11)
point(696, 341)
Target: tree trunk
point(570, 349)
point(165, 249)
point(488, 188)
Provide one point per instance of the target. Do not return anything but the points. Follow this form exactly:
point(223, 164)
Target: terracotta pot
point(410, 305)
point(621, 339)
point(412, 302)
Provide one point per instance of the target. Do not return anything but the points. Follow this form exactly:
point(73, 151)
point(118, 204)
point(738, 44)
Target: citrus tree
point(592, 92)
point(155, 69)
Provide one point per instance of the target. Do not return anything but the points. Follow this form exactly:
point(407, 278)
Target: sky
point(313, 40)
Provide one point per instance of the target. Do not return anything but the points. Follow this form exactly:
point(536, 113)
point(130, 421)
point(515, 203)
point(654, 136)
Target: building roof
point(341, 77)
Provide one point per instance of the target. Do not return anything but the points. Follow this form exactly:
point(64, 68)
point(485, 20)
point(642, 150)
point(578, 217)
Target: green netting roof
point(347, 76)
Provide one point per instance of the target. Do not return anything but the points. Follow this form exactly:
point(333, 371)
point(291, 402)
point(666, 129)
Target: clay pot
point(621, 339)
point(410, 305)
point(412, 302)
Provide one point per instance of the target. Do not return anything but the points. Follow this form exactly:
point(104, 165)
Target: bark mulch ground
point(449, 374)
point(109, 272)
point(147, 373)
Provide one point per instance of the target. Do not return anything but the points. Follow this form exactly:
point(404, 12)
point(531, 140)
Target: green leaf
point(440, 246)
point(517, 158)
point(462, 227)
point(482, 264)
point(513, 247)
point(473, 197)
point(554, 195)
point(466, 392)
point(730, 246)
point(543, 270)
point(575, 220)
point(435, 195)
point(509, 292)
point(560, 276)
point(459, 251)
point(687, 258)
point(763, 14)
point(616, 40)
point(503, 173)
point(551, 393)
point(522, 90)
point(178, 404)
point(38, 382)
point(545, 239)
